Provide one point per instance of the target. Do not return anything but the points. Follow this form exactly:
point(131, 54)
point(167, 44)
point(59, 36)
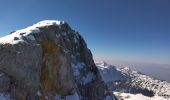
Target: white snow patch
point(48, 23)
point(39, 93)
point(127, 96)
point(102, 65)
point(28, 31)
point(10, 39)
point(57, 35)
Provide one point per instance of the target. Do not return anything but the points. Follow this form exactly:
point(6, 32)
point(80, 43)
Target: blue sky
point(115, 30)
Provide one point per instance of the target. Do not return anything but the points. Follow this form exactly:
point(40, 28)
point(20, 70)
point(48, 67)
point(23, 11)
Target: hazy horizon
point(155, 70)
point(124, 63)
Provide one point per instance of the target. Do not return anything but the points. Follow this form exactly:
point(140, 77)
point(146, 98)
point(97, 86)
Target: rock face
point(49, 61)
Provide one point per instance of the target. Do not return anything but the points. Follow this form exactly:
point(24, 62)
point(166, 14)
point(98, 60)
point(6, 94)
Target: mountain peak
point(49, 60)
point(49, 22)
point(17, 36)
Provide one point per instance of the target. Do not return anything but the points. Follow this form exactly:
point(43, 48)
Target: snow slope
point(127, 96)
point(130, 81)
point(16, 37)
point(159, 87)
point(107, 71)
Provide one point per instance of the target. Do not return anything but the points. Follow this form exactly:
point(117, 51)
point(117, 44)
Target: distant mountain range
point(125, 80)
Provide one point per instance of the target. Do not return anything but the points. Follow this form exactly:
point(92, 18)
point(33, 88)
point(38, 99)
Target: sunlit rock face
point(49, 61)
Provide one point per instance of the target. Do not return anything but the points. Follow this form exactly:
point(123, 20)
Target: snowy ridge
point(135, 82)
point(107, 71)
point(161, 88)
point(16, 37)
point(128, 96)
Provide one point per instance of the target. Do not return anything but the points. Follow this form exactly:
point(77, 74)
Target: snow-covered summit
point(48, 23)
point(16, 37)
point(49, 60)
point(109, 73)
point(102, 64)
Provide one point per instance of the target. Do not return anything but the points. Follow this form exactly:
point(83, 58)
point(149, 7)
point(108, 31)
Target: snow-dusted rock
point(128, 96)
point(129, 81)
point(49, 60)
point(109, 73)
point(138, 80)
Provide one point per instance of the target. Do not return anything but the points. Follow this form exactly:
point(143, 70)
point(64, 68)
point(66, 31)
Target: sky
point(115, 30)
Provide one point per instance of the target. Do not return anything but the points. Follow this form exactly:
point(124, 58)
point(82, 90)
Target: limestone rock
point(49, 61)
point(4, 82)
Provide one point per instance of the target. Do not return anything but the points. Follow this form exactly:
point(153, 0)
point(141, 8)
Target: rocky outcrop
point(49, 61)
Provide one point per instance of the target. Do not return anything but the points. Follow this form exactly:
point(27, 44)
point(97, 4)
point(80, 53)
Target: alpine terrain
point(48, 61)
point(132, 85)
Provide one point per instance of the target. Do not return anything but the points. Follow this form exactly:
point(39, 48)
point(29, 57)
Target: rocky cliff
point(48, 61)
